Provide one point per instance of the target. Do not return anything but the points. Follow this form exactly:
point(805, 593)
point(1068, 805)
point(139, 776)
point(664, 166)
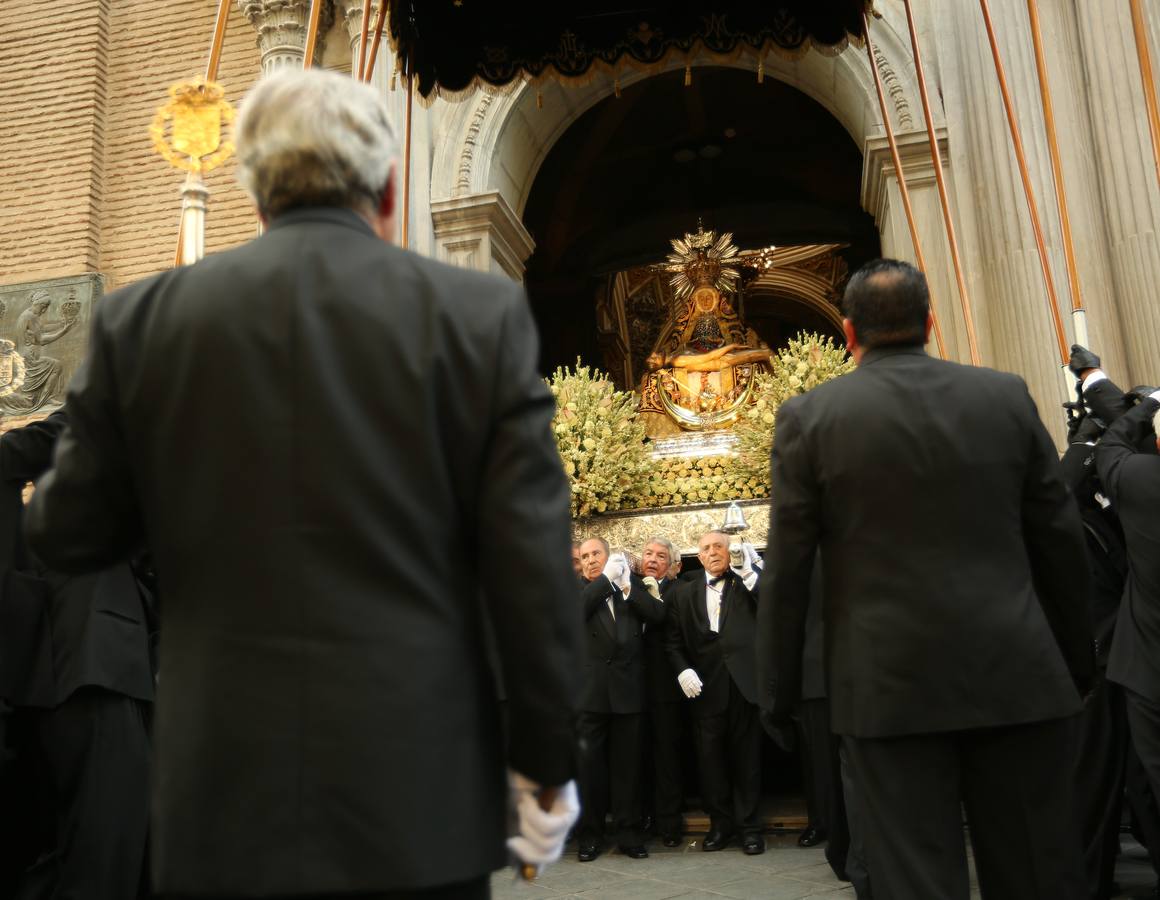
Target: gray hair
point(595, 537)
point(674, 553)
point(313, 138)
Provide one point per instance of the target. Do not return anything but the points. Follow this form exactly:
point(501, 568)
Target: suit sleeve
point(1106, 401)
point(523, 540)
point(84, 514)
point(25, 453)
point(593, 594)
point(644, 605)
point(1120, 442)
point(675, 649)
point(794, 528)
point(1053, 534)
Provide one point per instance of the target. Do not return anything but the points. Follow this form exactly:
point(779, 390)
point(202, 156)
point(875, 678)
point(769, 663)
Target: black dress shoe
point(671, 840)
point(637, 852)
point(753, 844)
point(587, 852)
point(716, 840)
point(811, 837)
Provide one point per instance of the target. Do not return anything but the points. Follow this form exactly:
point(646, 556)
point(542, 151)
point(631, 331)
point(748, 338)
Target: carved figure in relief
point(43, 384)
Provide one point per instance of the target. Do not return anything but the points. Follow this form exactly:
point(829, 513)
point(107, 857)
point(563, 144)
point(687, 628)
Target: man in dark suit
point(617, 609)
point(74, 665)
point(660, 562)
point(710, 638)
point(1129, 471)
point(340, 455)
point(955, 603)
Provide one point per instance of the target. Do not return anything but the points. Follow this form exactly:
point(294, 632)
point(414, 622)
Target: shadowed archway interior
point(762, 160)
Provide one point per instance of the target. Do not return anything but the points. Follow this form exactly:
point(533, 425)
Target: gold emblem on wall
point(189, 131)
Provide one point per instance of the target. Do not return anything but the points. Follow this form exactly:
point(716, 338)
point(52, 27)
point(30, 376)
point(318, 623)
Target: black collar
point(875, 354)
point(332, 215)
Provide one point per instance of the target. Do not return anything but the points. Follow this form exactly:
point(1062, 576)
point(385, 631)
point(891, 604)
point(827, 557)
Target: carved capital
point(281, 27)
point(917, 166)
point(351, 11)
point(481, 232)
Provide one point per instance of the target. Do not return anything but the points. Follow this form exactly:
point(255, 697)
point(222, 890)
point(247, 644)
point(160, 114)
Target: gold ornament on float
point(196, 116)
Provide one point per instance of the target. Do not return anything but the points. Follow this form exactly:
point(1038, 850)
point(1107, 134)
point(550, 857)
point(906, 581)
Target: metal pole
point(1057, 175)
point(193, 197)
point(406, 165)
point(374, 54)
point(1145, 57)
point(901, 176)
point(1021, 159)
point(219, 36)
point(944, 199)
point(362, 42)
point(312, 33)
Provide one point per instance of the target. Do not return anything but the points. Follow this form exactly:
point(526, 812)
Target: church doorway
point(763, 161)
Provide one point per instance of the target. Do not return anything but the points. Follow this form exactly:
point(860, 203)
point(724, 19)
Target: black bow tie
point(713, 582)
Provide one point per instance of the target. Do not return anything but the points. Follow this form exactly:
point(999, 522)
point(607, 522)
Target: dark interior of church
point(761, 160)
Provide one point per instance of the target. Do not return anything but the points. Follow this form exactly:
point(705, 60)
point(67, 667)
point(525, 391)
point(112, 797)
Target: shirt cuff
point(1094, 378)
point(1155, 395)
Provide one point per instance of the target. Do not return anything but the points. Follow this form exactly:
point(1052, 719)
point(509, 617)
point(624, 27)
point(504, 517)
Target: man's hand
point(690, 683)
point(545, 816)
point(1082, 360)
point(616, 570)
point(652, 586)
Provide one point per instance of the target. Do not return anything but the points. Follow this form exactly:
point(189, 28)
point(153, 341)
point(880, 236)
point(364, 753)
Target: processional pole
point(1020, 157)
point(362, 41)
point(406, 211)
point(944, 199)
point(378, 37)
point(194, 194)
point(1079, 321)
point(312, 33)
point(901, 177)
point(1145, 57)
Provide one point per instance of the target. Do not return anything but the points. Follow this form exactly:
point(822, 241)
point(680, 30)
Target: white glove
point(652, 586)
point(752, 556)
point(541, 835)
point(616, 570)
point(690, 683)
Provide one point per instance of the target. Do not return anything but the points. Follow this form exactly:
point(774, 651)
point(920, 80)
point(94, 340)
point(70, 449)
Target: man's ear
point(387, 198)
point(929, 326)
point(851, 337)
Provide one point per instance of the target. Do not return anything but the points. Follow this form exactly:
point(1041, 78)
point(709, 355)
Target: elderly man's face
point(713, 551)
point(655, 561)
point(593, 556)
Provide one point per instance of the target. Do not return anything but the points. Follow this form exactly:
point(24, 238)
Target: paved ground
point(783, 872)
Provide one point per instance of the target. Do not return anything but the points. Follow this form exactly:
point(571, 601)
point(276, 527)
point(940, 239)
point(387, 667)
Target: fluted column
point(351, 11)
point(281, 27)
point(1123, 154)
point(1006, 277)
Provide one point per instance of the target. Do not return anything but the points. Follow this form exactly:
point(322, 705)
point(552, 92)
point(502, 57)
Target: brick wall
point(82, 188)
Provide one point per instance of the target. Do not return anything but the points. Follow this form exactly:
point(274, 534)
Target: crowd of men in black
point(671, 659)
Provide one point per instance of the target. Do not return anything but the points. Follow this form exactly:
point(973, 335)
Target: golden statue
point(701, 369)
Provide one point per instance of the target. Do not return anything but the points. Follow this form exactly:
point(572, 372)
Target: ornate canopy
point(452, 45)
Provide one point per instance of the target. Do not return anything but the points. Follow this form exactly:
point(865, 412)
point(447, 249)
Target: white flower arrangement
point(600, 439)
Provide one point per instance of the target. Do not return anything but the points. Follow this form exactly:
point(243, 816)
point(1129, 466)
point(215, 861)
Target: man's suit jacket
point(952, 554)
point(614, 677)
point(717, 657)
point(1131, 480)
point(339, 453)
point(660, 679)
point(67, 632)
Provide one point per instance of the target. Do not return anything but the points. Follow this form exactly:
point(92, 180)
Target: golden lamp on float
point(702, 367)
point(189, 132)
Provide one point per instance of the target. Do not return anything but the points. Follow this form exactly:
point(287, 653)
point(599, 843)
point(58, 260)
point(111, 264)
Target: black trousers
point(610, 777)
point(90, 756)
point(1016, 785)
point(729, 758)
point(1101, 750)
point(1144, 725)
point(847, 840)
point(663, 765)
point(819, 761)
point(476, 889)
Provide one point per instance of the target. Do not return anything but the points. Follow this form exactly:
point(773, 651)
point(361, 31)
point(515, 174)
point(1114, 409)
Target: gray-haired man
point(307, 431)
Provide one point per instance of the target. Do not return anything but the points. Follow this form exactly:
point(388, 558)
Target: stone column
point(281, 27)
point(351, 11)
point(1015, 324)
point(882, 198)
point(481, 232)
point(1126, 176)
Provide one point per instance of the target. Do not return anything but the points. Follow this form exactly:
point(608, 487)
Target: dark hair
point(887, 302)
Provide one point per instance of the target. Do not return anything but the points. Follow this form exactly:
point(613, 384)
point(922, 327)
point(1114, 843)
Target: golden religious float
point(674, 437)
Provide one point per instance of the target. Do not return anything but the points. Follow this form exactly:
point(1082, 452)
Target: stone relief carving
point(44, 329)
point(894, 89)
point(683, 526)
point(467, 154)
